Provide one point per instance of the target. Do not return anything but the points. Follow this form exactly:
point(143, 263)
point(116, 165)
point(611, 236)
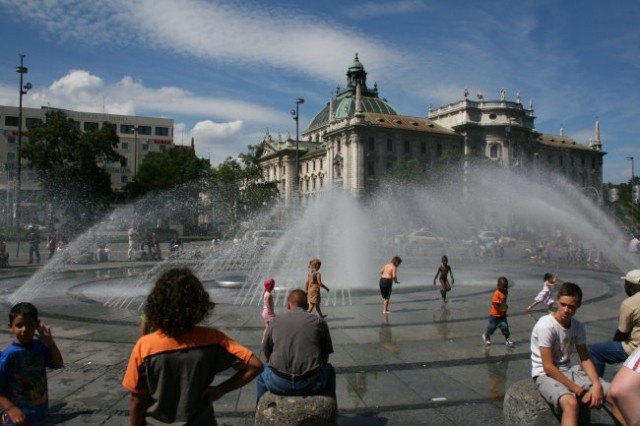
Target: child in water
point(314, 282)
point(443, 270)
point(545, 296)
point(498, 314)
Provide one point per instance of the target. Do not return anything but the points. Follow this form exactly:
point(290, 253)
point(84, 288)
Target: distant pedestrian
point(52, 242)
point(34, 243)
point(314, 283)
point(388, 276)
point(133, 236)
point(498, 313)
point(443, 271)
point(546, 294)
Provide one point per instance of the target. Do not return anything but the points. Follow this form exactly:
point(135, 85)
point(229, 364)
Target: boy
point(498, 313)
point(552, 339)
point(23, 376)
point(171, 370)
point(443, 270)
point(388, 276)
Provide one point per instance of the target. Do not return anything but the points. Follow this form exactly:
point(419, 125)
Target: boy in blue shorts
point(23, 376)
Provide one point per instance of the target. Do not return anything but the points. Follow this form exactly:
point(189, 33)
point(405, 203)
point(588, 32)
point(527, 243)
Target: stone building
point(138, 137)
point(358, 137)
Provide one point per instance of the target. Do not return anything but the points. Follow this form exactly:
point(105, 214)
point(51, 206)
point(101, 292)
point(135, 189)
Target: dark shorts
point(385, 287)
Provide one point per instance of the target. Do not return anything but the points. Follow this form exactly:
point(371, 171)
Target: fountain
point(353, 238)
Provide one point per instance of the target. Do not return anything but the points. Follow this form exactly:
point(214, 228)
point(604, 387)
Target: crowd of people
point(175, 360)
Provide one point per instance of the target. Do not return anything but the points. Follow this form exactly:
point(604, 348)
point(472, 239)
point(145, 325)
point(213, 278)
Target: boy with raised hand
point(553, 339)
point(23, 368)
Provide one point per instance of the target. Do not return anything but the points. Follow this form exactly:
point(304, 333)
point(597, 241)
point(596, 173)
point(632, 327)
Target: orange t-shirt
point(500, 299)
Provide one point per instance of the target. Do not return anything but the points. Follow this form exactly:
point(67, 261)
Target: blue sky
point(227, 71)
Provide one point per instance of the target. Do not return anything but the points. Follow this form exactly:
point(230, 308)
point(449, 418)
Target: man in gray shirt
point(296, 346)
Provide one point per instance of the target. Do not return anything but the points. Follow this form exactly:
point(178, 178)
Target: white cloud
point(372, 9)
point(217, 141)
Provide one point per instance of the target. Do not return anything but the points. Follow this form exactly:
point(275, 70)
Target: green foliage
point(70, 165)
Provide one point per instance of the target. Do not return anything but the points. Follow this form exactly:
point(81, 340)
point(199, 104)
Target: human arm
point(137, 408)
point(436, 277)
point(531, 306)
point(453, 280)
point(319, 281)
point(15, 413)
point(626, 320)
point(239, 379)
point(554, 372)
point(594, 397)
point(45, 336)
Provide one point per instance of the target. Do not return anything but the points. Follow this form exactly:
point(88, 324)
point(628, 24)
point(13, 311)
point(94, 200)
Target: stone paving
point(424, 363)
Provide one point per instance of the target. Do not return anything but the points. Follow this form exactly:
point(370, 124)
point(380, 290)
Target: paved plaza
point(422, 364)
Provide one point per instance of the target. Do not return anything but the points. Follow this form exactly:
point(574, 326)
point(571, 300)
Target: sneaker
point(508, 342)
point(485, 339)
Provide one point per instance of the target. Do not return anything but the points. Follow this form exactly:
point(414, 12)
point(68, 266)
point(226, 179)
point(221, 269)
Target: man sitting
point(296, 346)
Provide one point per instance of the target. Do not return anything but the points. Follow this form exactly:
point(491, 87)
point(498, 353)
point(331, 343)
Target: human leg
point(603, 353)
point(624, 394)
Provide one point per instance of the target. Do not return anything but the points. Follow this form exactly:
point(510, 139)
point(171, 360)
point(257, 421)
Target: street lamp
point(135, 151)
point(23, 89)
point(633, 208)
point(296, 115)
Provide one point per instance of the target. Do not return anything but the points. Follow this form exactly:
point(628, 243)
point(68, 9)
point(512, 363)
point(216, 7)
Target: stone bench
point(313, 410)
point(523, 405)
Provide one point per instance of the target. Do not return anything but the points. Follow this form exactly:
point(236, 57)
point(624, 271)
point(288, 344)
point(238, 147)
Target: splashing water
point(354, 237)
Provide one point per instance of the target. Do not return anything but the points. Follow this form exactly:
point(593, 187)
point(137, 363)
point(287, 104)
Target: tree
point(70, 165)
point(168, 186)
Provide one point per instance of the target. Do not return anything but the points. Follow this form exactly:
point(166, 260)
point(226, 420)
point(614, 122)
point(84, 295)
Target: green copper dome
point(344, 105)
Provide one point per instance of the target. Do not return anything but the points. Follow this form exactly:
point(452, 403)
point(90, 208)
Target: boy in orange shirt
point(498, 314)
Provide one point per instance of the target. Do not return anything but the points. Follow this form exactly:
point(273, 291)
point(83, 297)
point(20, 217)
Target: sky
point(229, 71)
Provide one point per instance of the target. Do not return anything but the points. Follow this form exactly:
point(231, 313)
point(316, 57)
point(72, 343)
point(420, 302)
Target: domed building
point(359, 137)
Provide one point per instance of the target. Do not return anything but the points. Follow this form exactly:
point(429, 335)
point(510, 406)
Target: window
point(423, 147)
point(372, 144)
point(389, 145)
point(314, 166)
point(561, 160)
point(31, 121)
point(90, 125)
point(124, 179)
point(11, 139)
point(145, 147)
point(144, 130)
point(339, 146)
point(127, 128)
point(163, 147)
point(124, 145)
point(11, 157)
point(76, 124)
point(321, 164)
point(439, 150)
point(407, 147)
point(371, 168)
point(162, 131)
point(307, 167)
point(11, 121)
point(494, 151)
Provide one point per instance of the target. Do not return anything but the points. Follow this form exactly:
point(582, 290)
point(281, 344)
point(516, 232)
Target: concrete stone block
point(313, 410)
point(523, 405)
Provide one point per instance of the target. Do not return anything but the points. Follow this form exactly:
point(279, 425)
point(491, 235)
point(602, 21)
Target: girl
point(267, 303)
point(314, 282)
point(443, 270)
point(545, 296)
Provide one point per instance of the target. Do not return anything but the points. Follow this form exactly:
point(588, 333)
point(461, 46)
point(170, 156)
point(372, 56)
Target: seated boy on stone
point(553, 339)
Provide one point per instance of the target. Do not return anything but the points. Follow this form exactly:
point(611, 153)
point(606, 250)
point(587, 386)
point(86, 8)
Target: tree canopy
point(70, 165)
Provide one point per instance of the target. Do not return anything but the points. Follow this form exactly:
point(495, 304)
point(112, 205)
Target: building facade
point(358, 138)
point(138, 137)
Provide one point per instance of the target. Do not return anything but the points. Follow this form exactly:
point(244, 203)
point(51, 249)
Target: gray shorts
point(551, 390)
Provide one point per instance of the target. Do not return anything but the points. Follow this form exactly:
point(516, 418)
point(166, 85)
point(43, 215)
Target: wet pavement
point(424, 363)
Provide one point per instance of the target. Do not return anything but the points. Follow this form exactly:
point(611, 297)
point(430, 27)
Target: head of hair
point(571, 290)
point(177, 302)
point(445, 259)
point(297, 298)
point(396, 260)
point(25, 309)
point(503, 282)
point(547, 276)
point(315, 264)
point(269, 284)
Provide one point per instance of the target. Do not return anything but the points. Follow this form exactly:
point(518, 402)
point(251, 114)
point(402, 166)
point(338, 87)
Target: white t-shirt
point(548, 333)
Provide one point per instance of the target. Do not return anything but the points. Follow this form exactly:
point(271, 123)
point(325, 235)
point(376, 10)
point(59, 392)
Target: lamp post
point(296, 115)
point(23, 89)
point(633, 208)
point(135, 151)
